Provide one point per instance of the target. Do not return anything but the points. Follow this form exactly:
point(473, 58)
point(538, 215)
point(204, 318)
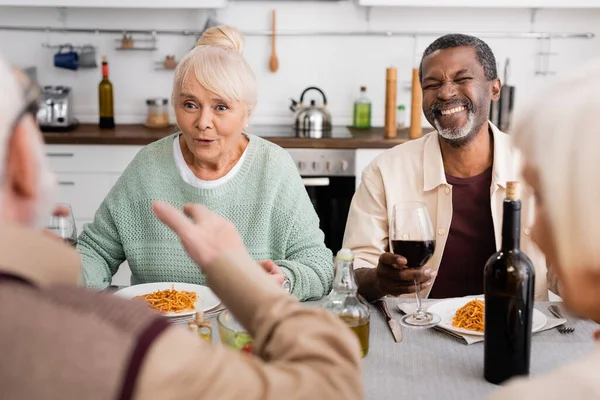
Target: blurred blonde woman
point(211, 161)
point(559, 139)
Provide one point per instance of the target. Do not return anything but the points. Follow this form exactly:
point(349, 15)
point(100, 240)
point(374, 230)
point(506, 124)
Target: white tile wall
point(339, 65)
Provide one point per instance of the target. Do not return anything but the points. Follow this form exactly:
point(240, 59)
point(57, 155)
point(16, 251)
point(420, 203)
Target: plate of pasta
point(464, 315)
point(172, 299)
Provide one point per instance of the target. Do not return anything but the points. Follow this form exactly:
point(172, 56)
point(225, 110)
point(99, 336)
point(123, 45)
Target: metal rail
point(384, 33)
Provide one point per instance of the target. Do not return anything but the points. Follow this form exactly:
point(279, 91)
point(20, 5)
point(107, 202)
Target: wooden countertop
point(141, 135)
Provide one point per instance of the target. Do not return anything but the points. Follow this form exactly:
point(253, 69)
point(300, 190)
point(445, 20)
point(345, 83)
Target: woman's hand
point(274, 270)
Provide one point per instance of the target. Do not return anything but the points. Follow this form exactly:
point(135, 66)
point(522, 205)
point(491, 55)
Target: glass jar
point(158, 113)
point(343, 301)
point(401, 117)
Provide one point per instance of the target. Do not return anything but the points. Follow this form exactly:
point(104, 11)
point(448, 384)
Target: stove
point(288, 131)
point(310, 161)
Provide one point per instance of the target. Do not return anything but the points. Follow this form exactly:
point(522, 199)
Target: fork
point(566, 327)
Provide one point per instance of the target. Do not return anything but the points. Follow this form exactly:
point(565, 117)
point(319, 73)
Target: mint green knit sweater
point(266, 200)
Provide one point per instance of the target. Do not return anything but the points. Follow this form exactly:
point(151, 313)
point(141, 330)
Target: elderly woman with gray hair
point(211, 161)
point(559, 140)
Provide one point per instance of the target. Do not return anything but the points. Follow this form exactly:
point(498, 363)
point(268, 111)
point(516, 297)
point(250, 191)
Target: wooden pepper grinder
point(391, 78)
point(416, 130)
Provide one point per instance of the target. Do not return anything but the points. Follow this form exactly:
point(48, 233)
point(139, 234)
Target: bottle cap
point(104, 59)
point(345, 254)
point(513, 190)
point(401, 107)
point(363, 88)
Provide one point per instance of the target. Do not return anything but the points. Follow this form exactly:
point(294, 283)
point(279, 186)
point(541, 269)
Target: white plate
point(206, 299)
point(446, 309)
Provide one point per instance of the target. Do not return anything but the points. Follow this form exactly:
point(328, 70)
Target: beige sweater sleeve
point(367, 229)
point(300, 353)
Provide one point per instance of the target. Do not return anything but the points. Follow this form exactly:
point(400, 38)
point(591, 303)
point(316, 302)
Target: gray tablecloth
point(427, 364)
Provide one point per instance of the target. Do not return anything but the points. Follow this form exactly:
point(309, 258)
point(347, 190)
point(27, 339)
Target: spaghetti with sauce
point(170, 300)
point(470, 316)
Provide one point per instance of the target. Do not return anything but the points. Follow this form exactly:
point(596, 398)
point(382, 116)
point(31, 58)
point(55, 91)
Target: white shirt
point(188, 176)
point(414, 171)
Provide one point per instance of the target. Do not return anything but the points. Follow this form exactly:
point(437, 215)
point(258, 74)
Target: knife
point(392, 323)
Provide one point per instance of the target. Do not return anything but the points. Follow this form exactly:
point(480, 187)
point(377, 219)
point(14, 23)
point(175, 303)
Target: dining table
point(429, 364)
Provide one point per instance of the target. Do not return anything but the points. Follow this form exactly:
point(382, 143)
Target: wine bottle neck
point(105, 70)
point(511, 225)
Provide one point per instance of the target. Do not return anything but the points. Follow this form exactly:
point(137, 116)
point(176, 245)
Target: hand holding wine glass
point(413, 238)
point(395, 278)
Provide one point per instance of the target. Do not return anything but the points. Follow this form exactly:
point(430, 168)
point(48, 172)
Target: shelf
point(483, 3)
point(137, 48)
point(152, 4)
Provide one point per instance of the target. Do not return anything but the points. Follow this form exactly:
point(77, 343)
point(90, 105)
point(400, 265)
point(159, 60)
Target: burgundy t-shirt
point(471, 239)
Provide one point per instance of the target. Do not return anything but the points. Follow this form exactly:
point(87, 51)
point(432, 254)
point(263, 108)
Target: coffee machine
point(56, 109)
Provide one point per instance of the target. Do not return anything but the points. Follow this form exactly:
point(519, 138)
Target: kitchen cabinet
point(85, 175)
point(485, 3)
point(192, 4)
point(363, 159)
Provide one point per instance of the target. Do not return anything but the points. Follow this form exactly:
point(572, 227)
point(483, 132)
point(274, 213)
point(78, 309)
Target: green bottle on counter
point(362, 110)
point(105, 99)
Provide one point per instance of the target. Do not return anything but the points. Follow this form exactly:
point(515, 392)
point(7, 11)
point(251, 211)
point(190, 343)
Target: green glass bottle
point(362, 110)
point(105, 99)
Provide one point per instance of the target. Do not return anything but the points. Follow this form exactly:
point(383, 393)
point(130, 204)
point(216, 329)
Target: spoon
point(273, 62)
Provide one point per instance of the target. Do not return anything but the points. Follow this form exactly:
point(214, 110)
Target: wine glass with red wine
point(63, 226)
point(413, 238)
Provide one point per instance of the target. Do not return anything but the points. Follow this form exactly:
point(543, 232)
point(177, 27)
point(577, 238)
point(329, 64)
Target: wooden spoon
point(273, 62)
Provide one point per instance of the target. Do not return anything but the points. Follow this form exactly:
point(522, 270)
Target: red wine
point(416, 252)
point(509, 281)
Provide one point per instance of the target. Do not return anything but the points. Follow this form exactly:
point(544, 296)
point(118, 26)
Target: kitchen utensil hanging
point(128, 42)
point(542, 57)
point(168, 64)
point(501, 111)
point(273, 61)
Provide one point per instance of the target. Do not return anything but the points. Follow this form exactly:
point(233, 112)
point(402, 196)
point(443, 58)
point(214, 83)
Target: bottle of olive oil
point(105, 99)
point(204, 327)
point(343, 301)
point(362, 110)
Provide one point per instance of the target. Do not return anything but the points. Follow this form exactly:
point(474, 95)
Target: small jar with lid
point(158, 113)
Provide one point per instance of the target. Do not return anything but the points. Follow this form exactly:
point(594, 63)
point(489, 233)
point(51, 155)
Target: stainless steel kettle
point(312, 121)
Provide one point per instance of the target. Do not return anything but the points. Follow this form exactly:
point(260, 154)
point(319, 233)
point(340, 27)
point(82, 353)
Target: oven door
point(331, 197)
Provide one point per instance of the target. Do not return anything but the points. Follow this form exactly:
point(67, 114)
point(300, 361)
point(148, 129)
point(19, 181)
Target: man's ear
point(496, 87)
point(21, 169)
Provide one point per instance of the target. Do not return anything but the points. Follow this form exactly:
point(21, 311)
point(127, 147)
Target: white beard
point(46, 189)
point(456, 133)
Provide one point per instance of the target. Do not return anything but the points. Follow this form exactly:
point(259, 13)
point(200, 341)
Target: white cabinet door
point(193, 4)
point(90, 158)
point(84, 192)
point(363, 159)
point(485, 3)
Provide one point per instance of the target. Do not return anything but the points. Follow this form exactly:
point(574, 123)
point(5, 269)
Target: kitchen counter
point(141, 135)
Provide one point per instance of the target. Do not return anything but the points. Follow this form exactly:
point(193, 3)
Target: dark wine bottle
point(105, 99)
point(509, 281)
